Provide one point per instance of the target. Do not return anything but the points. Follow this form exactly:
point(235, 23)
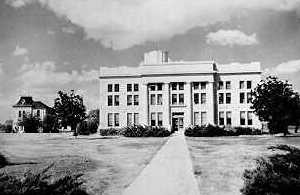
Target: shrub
point(110, 132)
point(40, 184)
point(205, 131)
point(3, 161)
point(50, 124)
point(145, 131)
point(276, 175)
point(30, 123)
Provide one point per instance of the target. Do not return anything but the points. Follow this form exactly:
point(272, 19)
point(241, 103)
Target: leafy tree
point(274, 101)
point(50, 123)
point(93, 120)
point(30, 123)
point(69, 109)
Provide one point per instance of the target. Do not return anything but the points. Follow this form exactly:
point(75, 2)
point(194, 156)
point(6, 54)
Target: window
point(110, 119)
point(152, 87)
point(249, 98)
point(174, 86)
point(196, 98)
point(152, 99)
point(196, 118)
point(221, 85)
point(129, 87)
point(181, 98)
point(153, 119)
point(203, 118)
point(228, 98)
point(136, 118)
point(136, 100)
point(196, 86)
point(110, 100)
point(117, 123)
point(159, 99)
point(174, 98)
point(203, 98)
point(221, 98)
point(203, 85)
point(242, 84)
point(20, 113)
point(250, 118)
point(221, 118)
point(117, 88)
point(24, 113)
point(136, 87)
point(249, 84)
point(159, 118)
point(159, 86)
point(109, 87)
point(242, 118)
point(129, 119)
point(117, 100)
point(242, 98)
point(129, 100)
point(228, 118)
point(228, 85)
point(181, 86)
point(38, 113)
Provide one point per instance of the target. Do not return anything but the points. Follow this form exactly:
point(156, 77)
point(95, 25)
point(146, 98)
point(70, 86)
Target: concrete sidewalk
point(169, 173)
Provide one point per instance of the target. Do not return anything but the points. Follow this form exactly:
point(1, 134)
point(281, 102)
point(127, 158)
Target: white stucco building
point(177, 94)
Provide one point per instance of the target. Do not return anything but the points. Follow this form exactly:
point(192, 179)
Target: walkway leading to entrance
point(169, 173)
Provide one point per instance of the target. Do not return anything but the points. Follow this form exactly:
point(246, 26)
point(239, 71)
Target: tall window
point(136, 118)
point(242, 118)
point(196, 118)
point(110, 100)
point(38, 114)
point(152, 87)
point(250, 118)
point(110, 119)
point(109, 87)
point(228, 118)
point(129, 100)
point(221, 85)
point(196, 85)
point(159, 99)
point(203, 85)
point(181, 98)
point(181, 86)
point(174, 86)
point(159, 86)
point(196, 98)
point(203, 118)
point(249, 98)
point(174, 98)
point(249, 84)
point(20, 113)
point(136, 87)
point(221, 118)
point(117, 100)
point(129, 119)
point(159, 118)
point(242, 84)
point(203, 98)
point(117, 117)
point(136, 100)
point(242, 98)
point(228, 98)
point(129, 87)
point(228, 85)
point(152, 99)
point(24, 113)
point(117, 87)
point(153, 119)
point(221, 98)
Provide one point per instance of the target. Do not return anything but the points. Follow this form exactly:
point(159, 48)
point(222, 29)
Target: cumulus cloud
point(289, 67)
point(68, 30)
point(231, 38)
point(20, 51)
point(131, 22)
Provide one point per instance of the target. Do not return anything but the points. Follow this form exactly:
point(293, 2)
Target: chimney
point(156, 57)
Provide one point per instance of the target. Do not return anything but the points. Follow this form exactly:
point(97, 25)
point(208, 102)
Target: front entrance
point(177, 121)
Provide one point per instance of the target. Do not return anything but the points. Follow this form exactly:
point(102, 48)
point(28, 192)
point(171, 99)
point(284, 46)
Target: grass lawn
point(109, 164)
point(219, 162)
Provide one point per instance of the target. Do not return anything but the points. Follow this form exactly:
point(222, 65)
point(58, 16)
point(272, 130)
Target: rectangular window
point(136, 118)
point(129, 100)
point(159, 99)
point(117, 87)
point(221, 98)
point(249, 84)
point(242, 84)
point(159, 118)
point(196, 85)
point(174, 86)
point(221, 118)
point(174, 98)
point(117, 121)
point(159, 86)
point(228, 85)
point(109, 87)
point(242, 98)
point(196, 98)
point(203, 118)
point(38, 114)
point(242, 118)
point(110, 100)
point(136, 100)
point(203, 98)
point(196, 118)
point(110, 119)
point(181, 98)
point(153, 119)
point(136, 87)
point(228, 98)
point(129, 87)
point(249, 98)
point(152, 99)
point(129, 119)
point(228, 118)
point(117, 100)
point(221, 85)
point(181, 86)
point(20, 113)
point(24, 113)
point(203, 85)
point(250, 118)
point(152, 87)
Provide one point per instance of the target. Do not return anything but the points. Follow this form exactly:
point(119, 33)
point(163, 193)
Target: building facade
point(178, 94)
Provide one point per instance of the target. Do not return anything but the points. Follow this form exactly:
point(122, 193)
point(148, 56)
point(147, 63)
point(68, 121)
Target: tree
point(93, 120)
point(30, 123)
point(274, 101)
point(69, 109)
point(50, 123)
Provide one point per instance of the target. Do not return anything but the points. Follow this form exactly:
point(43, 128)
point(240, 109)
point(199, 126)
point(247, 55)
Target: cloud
point(68, 30)
point(231, 38)
point(1, 70)
point(289, 67)
point(19, 51)
point(131, 22)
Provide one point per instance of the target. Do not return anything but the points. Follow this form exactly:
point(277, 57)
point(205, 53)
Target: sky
point(52, 45)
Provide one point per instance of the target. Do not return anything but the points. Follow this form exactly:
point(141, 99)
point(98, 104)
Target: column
point(211, 103)
point(144, 101)
point(166, 106)
point(189, 104)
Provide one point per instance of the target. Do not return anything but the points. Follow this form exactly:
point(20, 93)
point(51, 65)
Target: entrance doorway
point(177, 121)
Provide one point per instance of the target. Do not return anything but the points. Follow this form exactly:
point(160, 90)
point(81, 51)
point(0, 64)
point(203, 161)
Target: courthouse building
point(178, 94)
